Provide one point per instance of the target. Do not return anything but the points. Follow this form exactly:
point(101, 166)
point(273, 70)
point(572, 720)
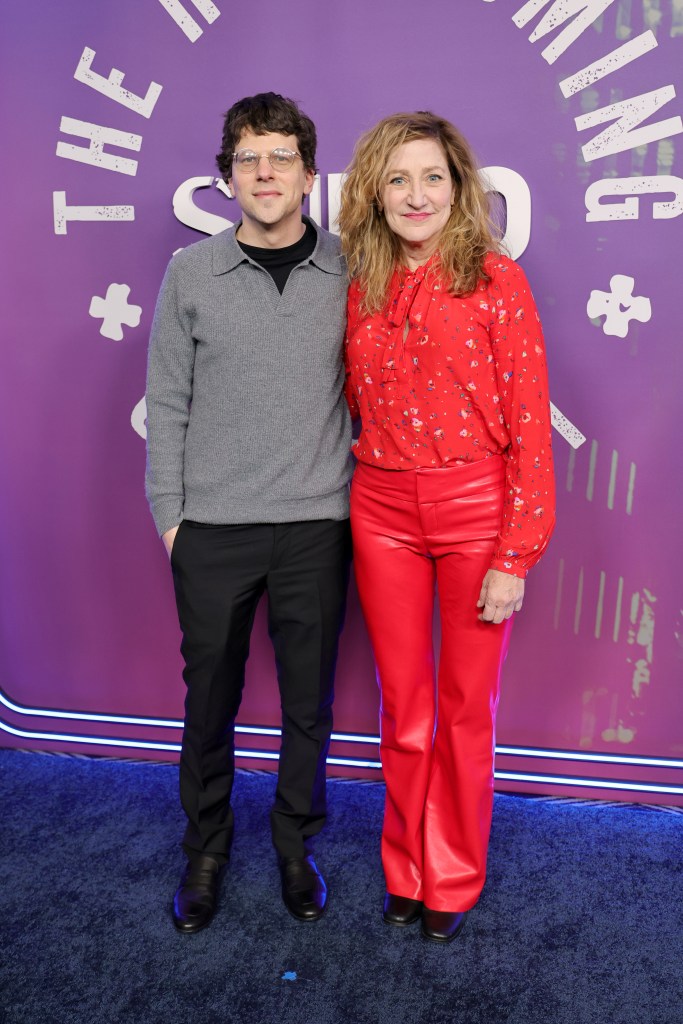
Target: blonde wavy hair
point(373, 250)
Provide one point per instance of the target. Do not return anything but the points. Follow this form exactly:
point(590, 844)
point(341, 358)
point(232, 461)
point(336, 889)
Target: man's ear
point(310, 181)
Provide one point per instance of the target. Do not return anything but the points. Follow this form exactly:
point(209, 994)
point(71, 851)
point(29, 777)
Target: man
point(247, 478)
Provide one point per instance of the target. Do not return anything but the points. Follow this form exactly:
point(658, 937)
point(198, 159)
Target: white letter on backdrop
point(631, 50)
point(191, 215)
point(631, 188)
point(334, 187)
point(112, 87)
point(63, 214)
point(185, 21)
point(625, 134)
point(517, 195)
point(99, 138)
point(586, 12)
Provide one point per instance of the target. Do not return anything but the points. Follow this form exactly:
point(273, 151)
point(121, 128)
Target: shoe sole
point(191, 929)
point(444, 941)
point(401, 924)
point(305, 920)
point(184, 930)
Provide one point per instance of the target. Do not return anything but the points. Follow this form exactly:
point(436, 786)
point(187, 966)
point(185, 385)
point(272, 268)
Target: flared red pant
point(413, 530)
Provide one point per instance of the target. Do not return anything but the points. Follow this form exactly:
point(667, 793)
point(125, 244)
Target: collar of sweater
point(227, 253)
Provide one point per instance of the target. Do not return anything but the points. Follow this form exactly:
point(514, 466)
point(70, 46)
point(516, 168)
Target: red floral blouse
point(468, 380)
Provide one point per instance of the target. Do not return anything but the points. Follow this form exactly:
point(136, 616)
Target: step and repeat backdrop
point(111, 117)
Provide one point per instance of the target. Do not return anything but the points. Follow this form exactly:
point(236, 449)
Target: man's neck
point(266, 236)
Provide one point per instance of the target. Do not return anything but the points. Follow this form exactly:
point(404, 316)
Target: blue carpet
point(580, 921)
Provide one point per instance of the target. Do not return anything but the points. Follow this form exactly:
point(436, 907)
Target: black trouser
point(219, 574)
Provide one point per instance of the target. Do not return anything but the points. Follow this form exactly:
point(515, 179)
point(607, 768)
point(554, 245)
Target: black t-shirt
point(280, 262)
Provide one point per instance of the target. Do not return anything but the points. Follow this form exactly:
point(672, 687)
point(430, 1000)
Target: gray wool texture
point(246, 418)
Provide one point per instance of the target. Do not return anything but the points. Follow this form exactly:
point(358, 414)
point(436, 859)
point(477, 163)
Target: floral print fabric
point(441, 380)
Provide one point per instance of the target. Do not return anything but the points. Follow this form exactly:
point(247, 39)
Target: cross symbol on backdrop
point(115, 311)
point(619, 306)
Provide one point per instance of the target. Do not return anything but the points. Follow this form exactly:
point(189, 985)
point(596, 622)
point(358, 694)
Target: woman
point(454, 487)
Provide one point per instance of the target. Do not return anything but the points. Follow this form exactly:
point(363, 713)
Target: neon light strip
point(107, 741)
point(270, 755)
point(343, 737)
point(164, 723)
point(563, 780)
point(575, 755)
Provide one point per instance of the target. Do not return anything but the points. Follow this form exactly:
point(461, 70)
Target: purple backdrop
point(87, 620)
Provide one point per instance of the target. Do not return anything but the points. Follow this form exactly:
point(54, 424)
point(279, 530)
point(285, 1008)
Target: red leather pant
point(412, 529)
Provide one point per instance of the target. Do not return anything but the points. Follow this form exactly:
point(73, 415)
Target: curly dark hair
point(266, 112)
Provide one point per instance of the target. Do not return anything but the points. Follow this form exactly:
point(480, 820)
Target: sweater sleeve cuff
point(166, 515)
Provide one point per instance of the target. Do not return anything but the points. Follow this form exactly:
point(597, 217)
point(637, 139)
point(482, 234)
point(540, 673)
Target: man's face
point(270, 197)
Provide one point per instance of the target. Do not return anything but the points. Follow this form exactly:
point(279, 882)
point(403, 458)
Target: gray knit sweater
point(246, 419)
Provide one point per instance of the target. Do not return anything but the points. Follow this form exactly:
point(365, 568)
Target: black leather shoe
point(303, 888)
point(442, 925)
point(401, 911)
point(195, 900)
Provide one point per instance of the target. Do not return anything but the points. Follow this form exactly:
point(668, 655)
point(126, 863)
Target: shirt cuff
point(509, 566)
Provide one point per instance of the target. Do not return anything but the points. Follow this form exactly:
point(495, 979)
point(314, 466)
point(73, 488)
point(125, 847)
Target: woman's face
point(417, 194)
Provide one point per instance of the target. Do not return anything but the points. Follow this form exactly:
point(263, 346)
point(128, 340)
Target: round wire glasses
point(280, 159)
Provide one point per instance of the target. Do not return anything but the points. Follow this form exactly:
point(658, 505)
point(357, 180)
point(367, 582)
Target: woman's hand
point(501, 595)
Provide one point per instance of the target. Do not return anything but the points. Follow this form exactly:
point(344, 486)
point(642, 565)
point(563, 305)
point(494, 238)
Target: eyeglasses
point(279, 159)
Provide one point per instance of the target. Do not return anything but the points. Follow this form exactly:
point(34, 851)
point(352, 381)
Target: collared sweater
point(246, 418)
